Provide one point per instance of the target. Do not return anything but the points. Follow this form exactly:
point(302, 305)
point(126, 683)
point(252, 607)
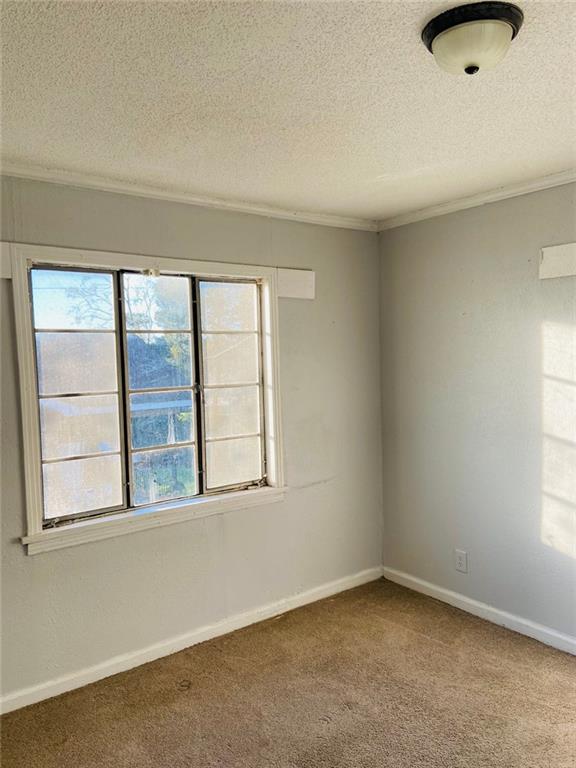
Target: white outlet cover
point(461, 560)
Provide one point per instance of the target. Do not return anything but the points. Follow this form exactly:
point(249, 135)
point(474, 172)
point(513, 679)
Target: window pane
point(234, 411)
point(74, 426)
point(159, 360)
point(68, 300)
point(82, 485)
point(229, 306)
point(165, 474)
point(230, 462)
point(76, 362)
point(230, 359)
point(156, 303)
point(161, 418)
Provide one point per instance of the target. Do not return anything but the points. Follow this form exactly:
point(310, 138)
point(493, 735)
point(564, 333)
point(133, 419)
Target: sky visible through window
point(72, 300)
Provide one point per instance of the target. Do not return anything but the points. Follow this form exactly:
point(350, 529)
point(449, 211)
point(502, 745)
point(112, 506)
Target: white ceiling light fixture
point(470, 38)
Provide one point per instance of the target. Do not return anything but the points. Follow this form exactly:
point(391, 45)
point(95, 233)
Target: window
point(149, 391)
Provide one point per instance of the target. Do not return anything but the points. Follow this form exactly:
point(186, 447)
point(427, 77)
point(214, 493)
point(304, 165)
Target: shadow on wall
point(558, 522)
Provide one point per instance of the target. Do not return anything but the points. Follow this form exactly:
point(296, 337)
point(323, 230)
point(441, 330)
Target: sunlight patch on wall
point(559, 351)
point(559, 409)
point(558, 523)
point(559, 469)
point(558, 529)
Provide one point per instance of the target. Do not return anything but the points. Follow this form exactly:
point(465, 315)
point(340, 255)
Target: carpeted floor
point(377, 677)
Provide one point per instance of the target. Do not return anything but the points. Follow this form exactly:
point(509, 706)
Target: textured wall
point(479, 383)
point(76, 607)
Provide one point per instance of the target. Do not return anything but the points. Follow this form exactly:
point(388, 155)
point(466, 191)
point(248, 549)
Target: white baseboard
point(26, 696)
point(509, 620)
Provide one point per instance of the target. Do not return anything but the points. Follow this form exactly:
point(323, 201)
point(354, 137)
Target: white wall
point(65, 610)
point(479, 399)
point(478, 364)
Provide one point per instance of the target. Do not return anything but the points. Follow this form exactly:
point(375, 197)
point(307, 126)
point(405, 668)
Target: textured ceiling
point(332, 107)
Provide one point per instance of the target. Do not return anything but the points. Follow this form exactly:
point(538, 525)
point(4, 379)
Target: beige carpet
point(376, 677)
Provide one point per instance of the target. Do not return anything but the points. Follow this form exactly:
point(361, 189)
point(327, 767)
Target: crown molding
point(87, 181)
point(473, 201)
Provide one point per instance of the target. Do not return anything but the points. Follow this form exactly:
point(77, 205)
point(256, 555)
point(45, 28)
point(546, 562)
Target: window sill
point(141, 519)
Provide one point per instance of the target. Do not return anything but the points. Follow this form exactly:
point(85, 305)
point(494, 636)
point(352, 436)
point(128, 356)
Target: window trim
point(38, 538)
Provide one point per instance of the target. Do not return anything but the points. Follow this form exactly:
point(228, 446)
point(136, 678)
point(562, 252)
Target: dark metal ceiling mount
point(487, 11)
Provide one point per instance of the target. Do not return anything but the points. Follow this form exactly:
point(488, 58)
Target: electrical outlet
point(461, 560)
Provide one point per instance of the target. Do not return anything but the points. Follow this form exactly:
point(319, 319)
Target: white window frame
point(40, 539)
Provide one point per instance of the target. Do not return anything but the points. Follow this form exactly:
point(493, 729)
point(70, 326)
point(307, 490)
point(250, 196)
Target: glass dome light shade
point(473, 46)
